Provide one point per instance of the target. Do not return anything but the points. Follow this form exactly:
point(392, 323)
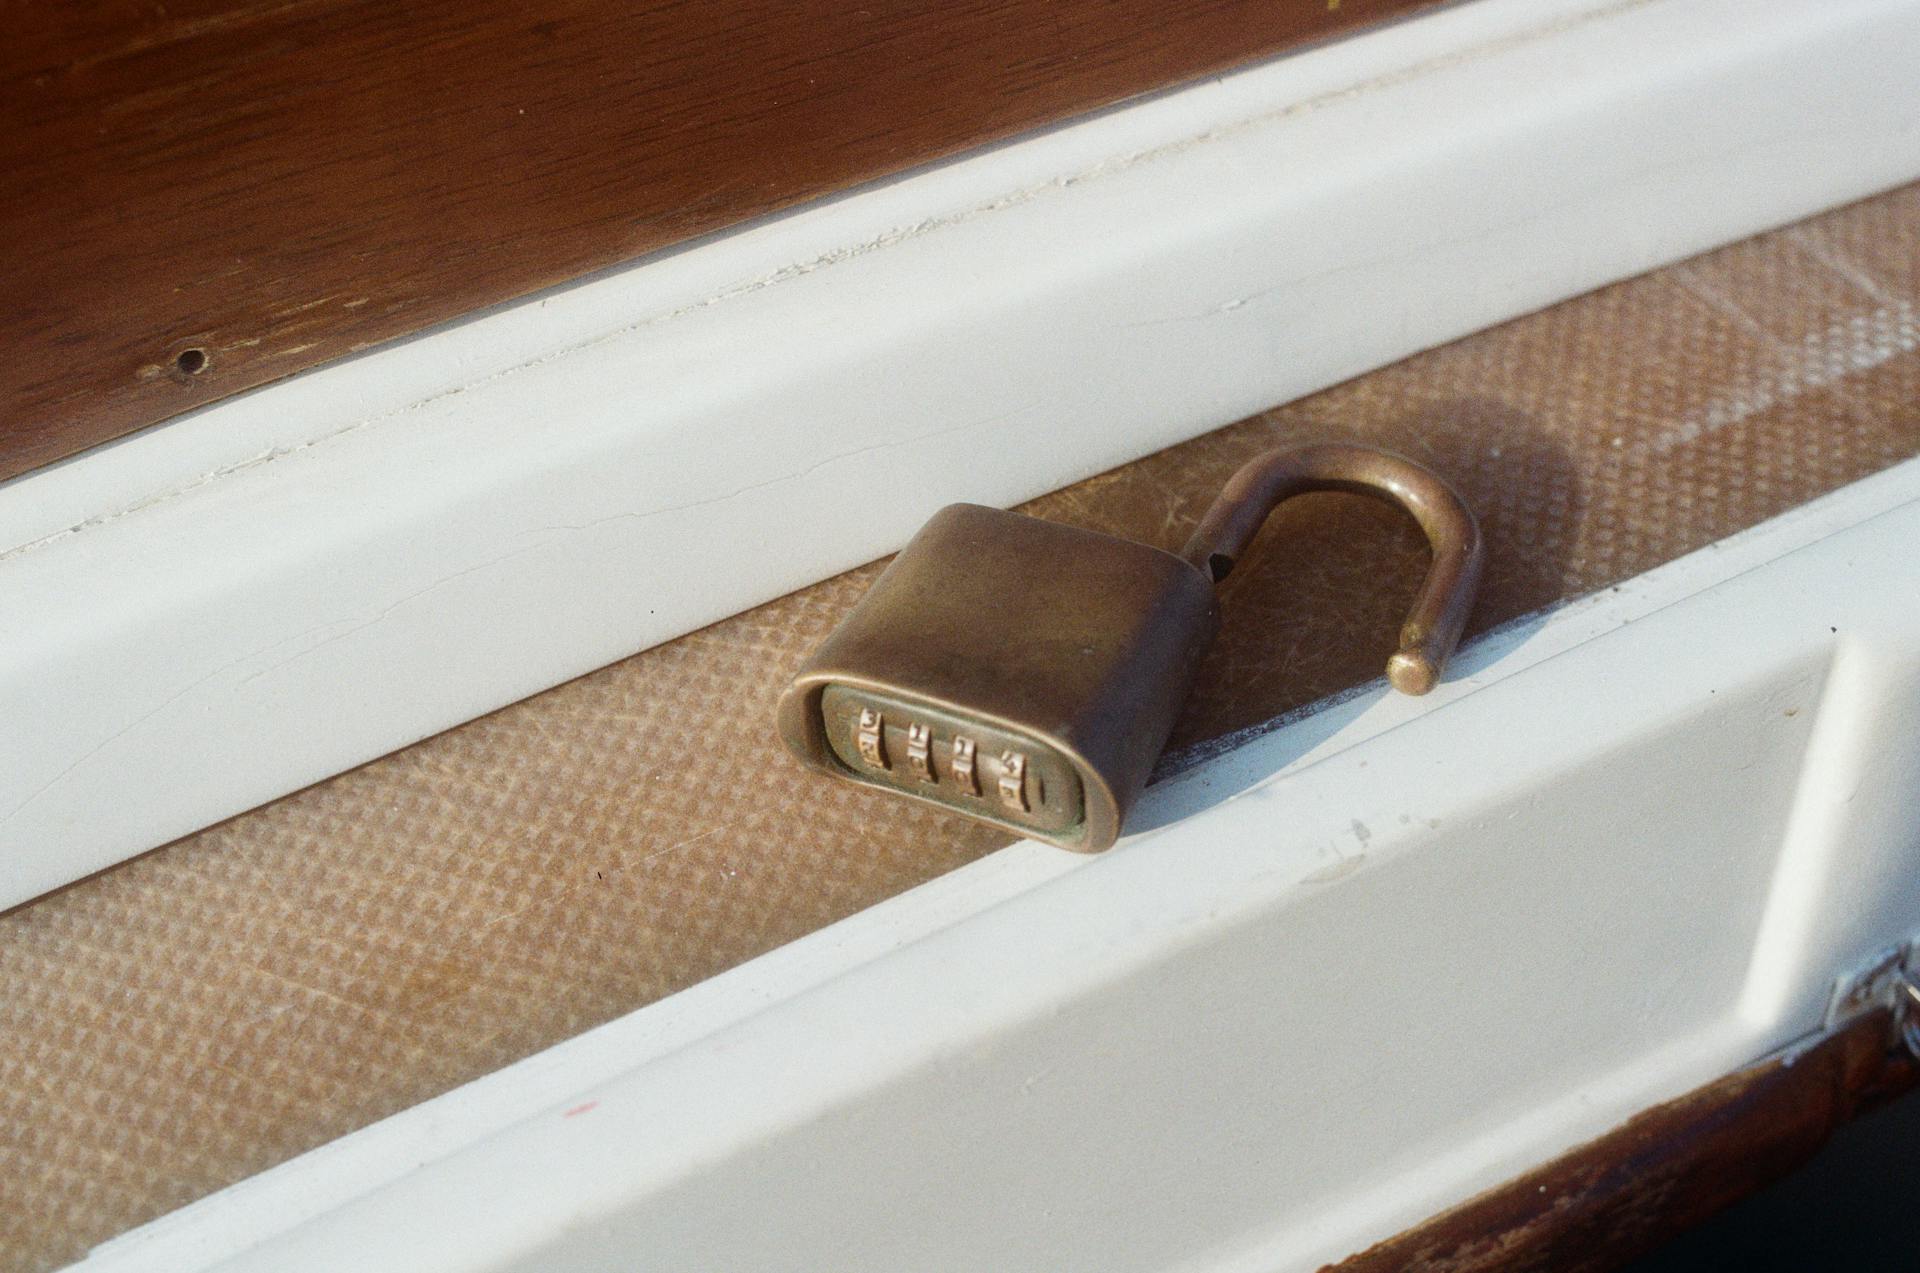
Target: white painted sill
point(222, 610)
point(1342, 977)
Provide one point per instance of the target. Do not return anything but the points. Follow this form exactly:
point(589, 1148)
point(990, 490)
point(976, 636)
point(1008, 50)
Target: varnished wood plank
point(1667, 1169)
point(202, 197)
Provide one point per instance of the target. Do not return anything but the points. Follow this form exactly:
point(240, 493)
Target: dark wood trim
point(201, 197)
point(1673, 1166)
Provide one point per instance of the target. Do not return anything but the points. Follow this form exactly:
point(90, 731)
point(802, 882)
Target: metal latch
point(1027, 673)
point(1890, 980)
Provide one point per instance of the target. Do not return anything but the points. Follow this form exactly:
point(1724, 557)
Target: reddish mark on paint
point(580, 1109)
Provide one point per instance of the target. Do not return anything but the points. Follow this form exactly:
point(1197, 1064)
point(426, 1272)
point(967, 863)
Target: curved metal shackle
point(1446, 596)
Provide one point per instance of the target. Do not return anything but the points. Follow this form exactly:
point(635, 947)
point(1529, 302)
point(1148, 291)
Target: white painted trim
point(1355, 971)
point(209, 615)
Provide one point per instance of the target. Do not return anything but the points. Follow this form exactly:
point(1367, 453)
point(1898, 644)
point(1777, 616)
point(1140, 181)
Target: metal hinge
point(1890, 980)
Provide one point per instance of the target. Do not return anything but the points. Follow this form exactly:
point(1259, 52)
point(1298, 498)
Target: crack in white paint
point(998, 419)
point(231, 664)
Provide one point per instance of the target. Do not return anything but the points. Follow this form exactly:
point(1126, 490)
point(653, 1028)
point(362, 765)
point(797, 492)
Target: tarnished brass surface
point(1059, 658)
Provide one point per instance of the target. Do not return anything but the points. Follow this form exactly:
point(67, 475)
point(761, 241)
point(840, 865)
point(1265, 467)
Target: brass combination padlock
point(1027, 673)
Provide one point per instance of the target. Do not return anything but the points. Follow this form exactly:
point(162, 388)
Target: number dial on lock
point(975, 766)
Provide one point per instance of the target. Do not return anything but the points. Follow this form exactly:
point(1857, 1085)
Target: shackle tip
point(1412, 672)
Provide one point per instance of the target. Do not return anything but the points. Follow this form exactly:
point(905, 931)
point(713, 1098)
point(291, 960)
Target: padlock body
point(1020, 671)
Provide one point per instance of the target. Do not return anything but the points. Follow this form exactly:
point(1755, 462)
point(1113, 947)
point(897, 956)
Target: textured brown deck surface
point(226, 1002)
point(262, 185)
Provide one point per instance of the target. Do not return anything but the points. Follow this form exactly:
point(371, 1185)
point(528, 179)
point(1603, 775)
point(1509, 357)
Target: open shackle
point(1432, 628)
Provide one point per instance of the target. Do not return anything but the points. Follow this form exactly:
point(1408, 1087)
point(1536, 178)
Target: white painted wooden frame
point(1352, 972)
point(219, 611)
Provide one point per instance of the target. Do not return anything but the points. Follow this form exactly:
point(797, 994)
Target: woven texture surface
point(222, 1004)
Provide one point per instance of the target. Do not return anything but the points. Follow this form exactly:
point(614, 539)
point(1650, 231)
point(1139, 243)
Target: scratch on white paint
point(1846, 348)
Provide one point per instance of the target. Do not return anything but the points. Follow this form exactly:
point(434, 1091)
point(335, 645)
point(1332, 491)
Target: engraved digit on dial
point(963, 751)
point(1013, 781)
point(920, 752)
point(869, 736)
